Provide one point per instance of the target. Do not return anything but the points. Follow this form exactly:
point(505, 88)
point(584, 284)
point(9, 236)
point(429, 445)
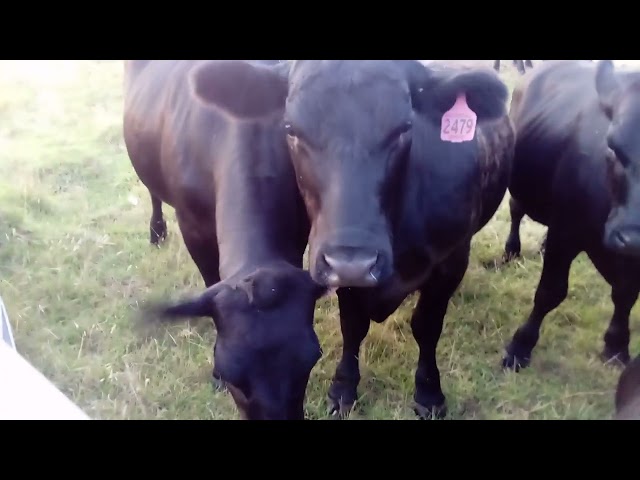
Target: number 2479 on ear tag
point(459, 122)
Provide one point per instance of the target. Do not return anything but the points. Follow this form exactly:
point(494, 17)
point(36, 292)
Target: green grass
point(75, 260)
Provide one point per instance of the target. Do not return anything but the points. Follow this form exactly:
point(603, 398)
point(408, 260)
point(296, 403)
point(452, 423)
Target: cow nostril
point(330, 261)
point(371, 261)
point(351, 268)
point(621, 238)
point(359, 262)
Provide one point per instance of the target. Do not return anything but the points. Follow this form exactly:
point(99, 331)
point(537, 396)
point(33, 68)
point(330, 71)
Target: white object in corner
point(6, 333)
point(25, 393)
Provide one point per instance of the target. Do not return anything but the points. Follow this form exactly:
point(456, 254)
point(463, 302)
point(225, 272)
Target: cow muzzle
point(624, 240)
point(349, 267)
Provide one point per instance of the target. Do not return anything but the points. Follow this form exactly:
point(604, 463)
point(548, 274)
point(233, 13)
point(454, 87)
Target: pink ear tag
point(459, 122)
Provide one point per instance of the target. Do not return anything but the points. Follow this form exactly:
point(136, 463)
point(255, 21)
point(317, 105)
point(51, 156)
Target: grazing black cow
point(576, 170)
point(520, 65)
point(206, 138)
point(393, 206)
point(627, 399)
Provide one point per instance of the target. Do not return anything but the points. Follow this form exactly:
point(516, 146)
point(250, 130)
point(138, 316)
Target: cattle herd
point(519, 64)
point(386, 169)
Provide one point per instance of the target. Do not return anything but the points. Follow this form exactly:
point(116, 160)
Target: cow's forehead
point(335, 75)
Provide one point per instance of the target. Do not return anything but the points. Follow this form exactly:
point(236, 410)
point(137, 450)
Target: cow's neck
point(244, 247)
point(437, 205)
point(256, 221)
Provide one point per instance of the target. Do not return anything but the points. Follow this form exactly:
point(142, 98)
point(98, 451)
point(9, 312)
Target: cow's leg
point(426, 325)
point(624, 293)
point(354, 323)
point(157, 225)
point(202, 245)
point(496, 65)
point(616, 338)
point(512, 246)
point(552, 289)
point(520, 66)
point(528, 63)
point(201, 242)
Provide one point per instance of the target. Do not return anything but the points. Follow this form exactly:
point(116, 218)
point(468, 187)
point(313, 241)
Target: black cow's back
point(558, 120)
point(155, 94)
point(216, 169)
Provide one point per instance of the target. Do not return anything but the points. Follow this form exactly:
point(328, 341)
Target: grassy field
point(75, 260)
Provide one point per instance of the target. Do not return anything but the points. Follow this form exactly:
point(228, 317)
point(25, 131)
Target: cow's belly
point(532, 184)
point(146, 162)
point(144, 147)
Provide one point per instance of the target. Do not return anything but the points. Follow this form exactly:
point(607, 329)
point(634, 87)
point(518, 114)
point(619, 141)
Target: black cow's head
point(350, 125)
point(620, 100)
point(266, 345)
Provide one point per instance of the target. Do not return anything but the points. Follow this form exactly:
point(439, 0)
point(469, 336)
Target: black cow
point(627, 399)
point(520, 65)
point(206, 138)
point(393, 207)
point(576, 171)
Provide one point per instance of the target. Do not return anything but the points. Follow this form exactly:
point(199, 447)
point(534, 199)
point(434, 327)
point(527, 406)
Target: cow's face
point(620, 101)
point(352, 127)
point(266, 345)
point(349, 128)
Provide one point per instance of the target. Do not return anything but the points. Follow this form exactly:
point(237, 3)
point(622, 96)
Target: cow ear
point(418, 77)
point(241, 89)
point(628, 388)
point(439, 88)
point(607, 85)
point(204, 305)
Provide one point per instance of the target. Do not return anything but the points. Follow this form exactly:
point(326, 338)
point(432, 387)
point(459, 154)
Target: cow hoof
point(157, 232)
point(617, 357)
point(513, 362)
point(434, 412)
point(508, 256)
point(511, 250)
point(339, 410)
point(217, 382)
point(342, 399)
